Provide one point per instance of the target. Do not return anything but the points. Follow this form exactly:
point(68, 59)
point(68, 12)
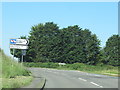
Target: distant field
point(13, 75)
point(99, 69)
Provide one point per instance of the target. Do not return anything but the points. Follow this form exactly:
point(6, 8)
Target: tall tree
point(48, 43)
point(112, 50)
point(41, 37)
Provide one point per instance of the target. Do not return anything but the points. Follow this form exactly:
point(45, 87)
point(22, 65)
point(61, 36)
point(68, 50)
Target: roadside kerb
point(38, 82)
point(41, 84)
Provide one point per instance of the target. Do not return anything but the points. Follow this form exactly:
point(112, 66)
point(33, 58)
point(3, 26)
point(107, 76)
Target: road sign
point(24, 52)
point(22, 41)
point(18, 47)
point(19, 41)
point(12, 41)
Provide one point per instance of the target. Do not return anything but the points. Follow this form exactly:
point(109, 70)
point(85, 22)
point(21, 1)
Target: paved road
point(74, 79)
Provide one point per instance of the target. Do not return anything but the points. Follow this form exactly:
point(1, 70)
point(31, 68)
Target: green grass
point(14, 75)
point(16, 82)
point(98, 69)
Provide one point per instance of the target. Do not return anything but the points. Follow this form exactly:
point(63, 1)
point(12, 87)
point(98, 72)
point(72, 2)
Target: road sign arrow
point(22, 41)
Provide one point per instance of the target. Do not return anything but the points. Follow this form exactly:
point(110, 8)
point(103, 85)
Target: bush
point(76, 66)
point(42, 65)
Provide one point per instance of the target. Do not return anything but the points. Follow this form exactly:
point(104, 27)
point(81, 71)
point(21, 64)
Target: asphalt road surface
point(74, 79)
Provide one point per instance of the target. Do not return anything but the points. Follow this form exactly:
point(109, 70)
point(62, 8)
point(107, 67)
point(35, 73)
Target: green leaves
point(48, 43)
point(73, 44)
point(111, 50)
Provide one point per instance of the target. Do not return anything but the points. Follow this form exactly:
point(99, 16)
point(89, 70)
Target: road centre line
point(96, 84)
point(82, 79)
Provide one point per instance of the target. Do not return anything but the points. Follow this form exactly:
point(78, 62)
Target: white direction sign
point(22, 41)
point(18, 47)
point(19, 41)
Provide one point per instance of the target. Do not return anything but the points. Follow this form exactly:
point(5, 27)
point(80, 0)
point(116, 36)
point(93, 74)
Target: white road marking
point(96, 84)
point(98, 75)
point(82, 79)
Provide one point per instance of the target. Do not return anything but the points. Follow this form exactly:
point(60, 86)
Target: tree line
point(49, 43)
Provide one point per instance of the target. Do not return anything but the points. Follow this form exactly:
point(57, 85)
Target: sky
point(101, 18)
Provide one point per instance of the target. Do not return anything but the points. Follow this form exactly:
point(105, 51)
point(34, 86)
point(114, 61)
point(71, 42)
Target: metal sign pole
point(13, 53)
point(22, 59)
point(23, 54)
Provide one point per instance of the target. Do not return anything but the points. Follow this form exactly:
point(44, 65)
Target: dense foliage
point(48, 43)
point(70, 45)
point(111, 51)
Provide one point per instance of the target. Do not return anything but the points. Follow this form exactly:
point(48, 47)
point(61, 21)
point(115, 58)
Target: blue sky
point(101, 18)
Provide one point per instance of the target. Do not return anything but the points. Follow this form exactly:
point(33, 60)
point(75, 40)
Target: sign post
point(13, 53)
point(19, 44)
point(23, 54)
point(22, 60)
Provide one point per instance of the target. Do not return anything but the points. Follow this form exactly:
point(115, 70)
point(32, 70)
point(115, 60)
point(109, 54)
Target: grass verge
point(16, 82)
point(14, 75)
point(98, 69)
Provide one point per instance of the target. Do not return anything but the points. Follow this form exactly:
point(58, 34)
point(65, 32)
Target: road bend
point(74, 79)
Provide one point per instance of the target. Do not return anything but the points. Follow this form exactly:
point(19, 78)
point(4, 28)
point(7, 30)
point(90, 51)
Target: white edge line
point(96, 84)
